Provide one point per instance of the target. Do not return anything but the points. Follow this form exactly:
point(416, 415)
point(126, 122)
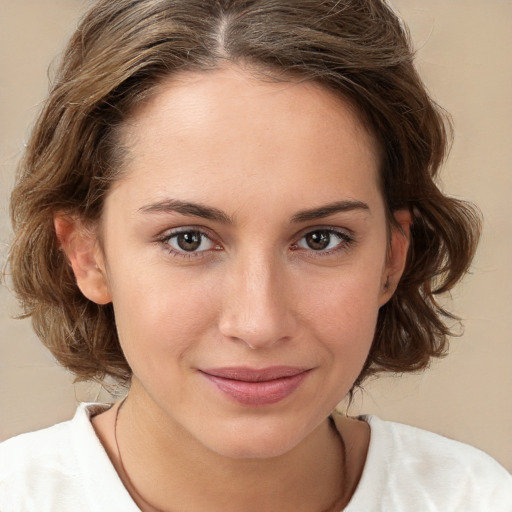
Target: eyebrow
point(187, 208)
point(330, 209)
point(211, 213)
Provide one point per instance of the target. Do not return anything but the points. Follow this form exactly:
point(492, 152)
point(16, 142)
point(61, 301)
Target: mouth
point(256, 387)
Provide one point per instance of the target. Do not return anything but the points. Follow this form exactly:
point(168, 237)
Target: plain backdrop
point(464, 56)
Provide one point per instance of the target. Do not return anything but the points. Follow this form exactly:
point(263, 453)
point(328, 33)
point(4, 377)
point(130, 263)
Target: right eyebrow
point(187, 208)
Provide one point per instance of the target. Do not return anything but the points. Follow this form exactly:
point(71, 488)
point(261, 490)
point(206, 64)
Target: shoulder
point(36, 451)
point(422, 449)
point(44, 470)
point(419, 470)
point(51, 446)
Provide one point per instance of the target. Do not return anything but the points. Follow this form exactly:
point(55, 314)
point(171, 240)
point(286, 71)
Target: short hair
point(123, 50)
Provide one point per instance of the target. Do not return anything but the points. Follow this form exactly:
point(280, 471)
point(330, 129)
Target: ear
point(397, 254)
point(80, 244)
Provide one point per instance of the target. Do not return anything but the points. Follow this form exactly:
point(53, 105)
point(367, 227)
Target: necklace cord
point(133, 489)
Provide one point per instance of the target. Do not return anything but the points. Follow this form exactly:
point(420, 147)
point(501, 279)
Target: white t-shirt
point(65, 468)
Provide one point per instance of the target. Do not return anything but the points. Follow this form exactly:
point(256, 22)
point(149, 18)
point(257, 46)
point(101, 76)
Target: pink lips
point(250, 386)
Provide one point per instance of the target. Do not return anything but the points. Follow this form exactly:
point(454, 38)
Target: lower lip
point(258, 393)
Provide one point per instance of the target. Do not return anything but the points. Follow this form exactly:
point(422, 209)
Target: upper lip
point(247, 374)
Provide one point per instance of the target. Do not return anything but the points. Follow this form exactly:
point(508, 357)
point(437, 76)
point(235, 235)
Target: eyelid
point(169, 232)
point(342, 231)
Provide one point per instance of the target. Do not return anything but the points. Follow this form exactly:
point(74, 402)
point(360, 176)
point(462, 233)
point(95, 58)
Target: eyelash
point(345, 241)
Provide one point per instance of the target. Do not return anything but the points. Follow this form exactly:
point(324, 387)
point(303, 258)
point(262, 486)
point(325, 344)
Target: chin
point(253, 439)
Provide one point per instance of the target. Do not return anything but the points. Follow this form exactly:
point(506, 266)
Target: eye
point(323, 240)
point(189, 241)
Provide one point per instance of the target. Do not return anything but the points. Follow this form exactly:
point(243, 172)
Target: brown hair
point(122, 50)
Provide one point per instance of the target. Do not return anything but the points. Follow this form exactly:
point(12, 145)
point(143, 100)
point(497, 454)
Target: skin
point(255, 293)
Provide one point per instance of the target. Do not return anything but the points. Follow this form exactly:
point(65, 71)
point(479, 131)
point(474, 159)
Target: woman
point(230, 207)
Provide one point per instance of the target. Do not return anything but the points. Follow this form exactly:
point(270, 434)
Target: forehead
point(228, 126)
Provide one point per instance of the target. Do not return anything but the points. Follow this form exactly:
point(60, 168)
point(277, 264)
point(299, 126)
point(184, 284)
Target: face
point(246, 251)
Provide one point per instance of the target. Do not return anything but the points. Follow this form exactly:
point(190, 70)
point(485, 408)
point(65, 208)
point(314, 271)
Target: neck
point(165, 469)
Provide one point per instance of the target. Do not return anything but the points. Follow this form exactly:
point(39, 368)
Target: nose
point(257, 305)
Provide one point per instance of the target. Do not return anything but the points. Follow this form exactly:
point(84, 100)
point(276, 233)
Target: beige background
point(464, 55)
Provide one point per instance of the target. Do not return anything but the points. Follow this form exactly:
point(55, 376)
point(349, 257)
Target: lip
point(256, 386)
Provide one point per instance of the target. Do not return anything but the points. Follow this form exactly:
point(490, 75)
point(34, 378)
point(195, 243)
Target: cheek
point(159, 312)
point(344, 313)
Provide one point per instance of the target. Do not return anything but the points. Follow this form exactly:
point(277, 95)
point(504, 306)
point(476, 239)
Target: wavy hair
point(117, 57)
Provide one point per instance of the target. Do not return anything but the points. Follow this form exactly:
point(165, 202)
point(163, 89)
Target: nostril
point(257, 326)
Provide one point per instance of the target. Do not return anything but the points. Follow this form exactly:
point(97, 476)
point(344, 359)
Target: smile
point(254, 387)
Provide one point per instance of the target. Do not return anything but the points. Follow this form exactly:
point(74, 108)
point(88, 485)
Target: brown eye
point(318, 240)
point(323, 240)
point(190, 241)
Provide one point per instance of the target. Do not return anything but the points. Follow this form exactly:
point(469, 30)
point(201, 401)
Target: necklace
point(341, 501)
point(336, 506)
point(133, 489)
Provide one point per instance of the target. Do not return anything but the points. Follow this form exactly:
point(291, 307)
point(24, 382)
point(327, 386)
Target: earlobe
point(397, 254)
point(82, 250)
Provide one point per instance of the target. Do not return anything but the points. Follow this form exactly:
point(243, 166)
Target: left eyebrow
point(329, 209)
